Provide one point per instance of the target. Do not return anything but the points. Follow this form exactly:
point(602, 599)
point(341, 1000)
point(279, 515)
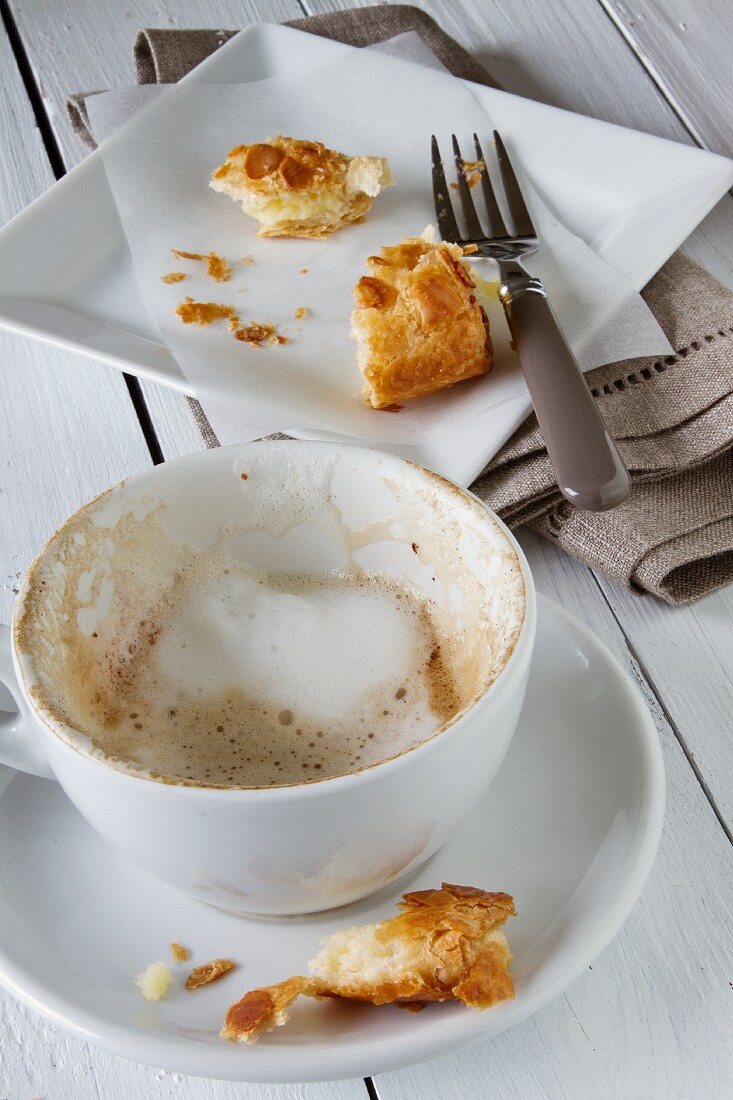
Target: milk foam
point(251, 679)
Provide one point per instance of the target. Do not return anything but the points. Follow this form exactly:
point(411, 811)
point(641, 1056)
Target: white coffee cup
point(304, 847)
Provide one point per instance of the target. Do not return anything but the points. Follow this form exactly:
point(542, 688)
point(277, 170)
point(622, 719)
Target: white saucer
point(570, 828)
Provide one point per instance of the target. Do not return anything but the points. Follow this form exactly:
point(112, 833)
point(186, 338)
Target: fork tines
point(497, 230)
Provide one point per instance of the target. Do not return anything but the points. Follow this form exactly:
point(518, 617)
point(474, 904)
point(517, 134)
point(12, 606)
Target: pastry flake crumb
point(301, 312)
point(179, 952)
point(303, 271)
point(472, 170)
point(446, 944)
point(173, 277)
point(254, 334)
point(209, 972)
point(204, 313)
point(154, 982)
point(248, 260)
point(216, 266)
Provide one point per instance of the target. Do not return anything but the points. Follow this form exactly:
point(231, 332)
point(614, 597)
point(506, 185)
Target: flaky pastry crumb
point(216, 266)
point(154, 982)
point(209, 972)
point(256, 333)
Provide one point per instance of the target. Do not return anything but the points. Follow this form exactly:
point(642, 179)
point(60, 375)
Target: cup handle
point(20, 745)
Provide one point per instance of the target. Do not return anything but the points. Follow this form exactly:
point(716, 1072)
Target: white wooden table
point(652, 1018)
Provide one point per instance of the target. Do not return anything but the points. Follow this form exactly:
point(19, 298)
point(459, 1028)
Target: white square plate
point(66, 275)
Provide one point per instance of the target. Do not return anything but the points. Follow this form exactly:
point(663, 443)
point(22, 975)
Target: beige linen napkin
point(672, 418)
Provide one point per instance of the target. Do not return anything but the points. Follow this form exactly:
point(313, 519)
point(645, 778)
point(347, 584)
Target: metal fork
point(587, 465)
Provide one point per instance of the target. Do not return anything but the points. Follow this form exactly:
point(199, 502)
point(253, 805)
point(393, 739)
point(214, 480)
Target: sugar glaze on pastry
point(300, 188)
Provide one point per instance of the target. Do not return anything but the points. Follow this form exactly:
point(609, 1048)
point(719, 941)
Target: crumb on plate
point(154, 982)
point(301, 312)
point(179, 952)
point(256, 333)
point(209, 972)
point(173, 277)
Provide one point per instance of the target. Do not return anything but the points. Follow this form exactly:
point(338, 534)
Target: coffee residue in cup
point(244, 679)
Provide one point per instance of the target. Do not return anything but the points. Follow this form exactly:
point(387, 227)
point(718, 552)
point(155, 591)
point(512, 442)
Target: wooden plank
point(85, 45)
point(651, 1017)
point(686, 653)
point(686, 48)
point(66, 434)
point(549, 52)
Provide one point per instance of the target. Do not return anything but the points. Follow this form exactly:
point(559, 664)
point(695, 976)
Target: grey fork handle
point(589, 470)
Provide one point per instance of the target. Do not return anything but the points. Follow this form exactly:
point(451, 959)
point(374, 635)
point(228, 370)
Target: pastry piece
point(446, 944)
point(179, 952)
point(300, 188)
point(417, 322)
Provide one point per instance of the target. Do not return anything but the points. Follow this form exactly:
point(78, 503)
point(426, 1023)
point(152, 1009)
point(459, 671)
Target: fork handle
point(589, 470)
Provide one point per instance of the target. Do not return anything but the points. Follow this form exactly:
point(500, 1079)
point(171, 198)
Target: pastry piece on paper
point(417, 323)
point(446, 944)
point(300, 188)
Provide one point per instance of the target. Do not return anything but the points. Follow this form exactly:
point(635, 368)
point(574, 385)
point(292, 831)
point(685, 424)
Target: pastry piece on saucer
point(446, 944)
point(300, 188)
point(417, 323)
